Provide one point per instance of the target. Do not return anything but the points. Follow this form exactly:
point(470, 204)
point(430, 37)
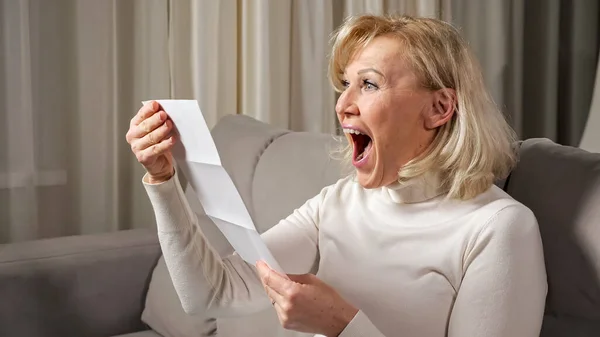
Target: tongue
point(365, 150)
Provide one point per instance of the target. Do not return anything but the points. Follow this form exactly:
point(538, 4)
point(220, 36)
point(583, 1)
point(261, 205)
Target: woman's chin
point(376, 177)
point(367, 173)
point(368, 180)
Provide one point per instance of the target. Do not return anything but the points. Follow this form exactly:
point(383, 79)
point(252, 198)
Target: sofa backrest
point(293, 169)
point(241, 141)
point(561, 185)
point(275, 170)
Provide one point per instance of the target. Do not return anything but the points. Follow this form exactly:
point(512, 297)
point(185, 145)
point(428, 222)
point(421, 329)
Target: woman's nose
point(346, 104)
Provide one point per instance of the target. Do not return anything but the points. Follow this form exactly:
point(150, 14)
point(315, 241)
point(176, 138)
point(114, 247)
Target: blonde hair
point(477, 145)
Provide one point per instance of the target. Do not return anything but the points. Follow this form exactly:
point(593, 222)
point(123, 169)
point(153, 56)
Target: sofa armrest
point(87, 286)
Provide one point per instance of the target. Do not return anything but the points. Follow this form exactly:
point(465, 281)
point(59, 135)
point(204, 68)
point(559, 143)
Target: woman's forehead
point(382, 52)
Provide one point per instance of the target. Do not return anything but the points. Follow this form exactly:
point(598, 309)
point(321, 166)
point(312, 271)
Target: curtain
point(265, 59)
point(539, 59)
point(590, 141)
point(72, 74)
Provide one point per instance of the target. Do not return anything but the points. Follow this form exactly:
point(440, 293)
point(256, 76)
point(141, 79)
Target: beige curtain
point(591, 137)
point(266, 59)
point(429, 8)
point(72, 74)
point(539, 58)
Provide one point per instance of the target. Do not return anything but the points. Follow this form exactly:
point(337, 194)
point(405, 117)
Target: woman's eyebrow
point(367, 70)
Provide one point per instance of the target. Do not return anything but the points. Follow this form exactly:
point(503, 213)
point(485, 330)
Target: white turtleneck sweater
point(415, 263)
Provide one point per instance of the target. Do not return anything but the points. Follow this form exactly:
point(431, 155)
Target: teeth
point(356, 132)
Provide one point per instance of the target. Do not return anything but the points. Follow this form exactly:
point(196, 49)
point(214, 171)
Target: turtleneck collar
point(422, 188)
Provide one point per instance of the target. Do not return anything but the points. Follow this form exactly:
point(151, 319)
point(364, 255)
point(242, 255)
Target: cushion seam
point(78, 253)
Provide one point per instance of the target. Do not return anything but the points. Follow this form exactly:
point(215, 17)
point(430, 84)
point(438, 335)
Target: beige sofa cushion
point(241, 141)
point(293, 169)
point(263, 324)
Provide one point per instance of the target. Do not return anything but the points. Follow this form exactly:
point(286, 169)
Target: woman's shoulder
point(506, 232)
point(502, 214)
point(500, 201)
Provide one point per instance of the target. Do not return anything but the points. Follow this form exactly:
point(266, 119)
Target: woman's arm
point(224, 287)
point(504, 287)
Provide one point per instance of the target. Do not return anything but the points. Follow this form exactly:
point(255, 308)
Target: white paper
point(197, 157)
point(217, 193)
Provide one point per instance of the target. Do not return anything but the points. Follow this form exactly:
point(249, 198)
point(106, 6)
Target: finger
point(276, 298)
point(264, 274)
point(303, 278)
point(262, 265)
point(273, 279)
point(281, 310)
point(148, 125)
point(146, 111)
point(154, 137)
point(147, 156)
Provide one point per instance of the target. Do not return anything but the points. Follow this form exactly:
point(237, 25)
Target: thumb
point(303, 278)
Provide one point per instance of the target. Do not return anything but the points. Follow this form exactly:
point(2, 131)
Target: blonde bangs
point(352, 36)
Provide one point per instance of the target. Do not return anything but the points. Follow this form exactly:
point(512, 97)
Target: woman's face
point(384, 102)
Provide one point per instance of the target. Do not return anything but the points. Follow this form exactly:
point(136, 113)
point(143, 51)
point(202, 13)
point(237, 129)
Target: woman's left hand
point(306, 304)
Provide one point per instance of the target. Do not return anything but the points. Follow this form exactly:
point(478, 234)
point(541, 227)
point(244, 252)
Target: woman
point(416, 242)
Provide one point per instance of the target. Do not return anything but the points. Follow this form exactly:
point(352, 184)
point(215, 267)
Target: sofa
point(116, 284)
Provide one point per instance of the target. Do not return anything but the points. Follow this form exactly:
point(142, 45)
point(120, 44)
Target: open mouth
point(362, 145)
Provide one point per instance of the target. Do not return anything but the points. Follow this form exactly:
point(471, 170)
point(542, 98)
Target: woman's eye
point(345, 83)
point(369, 85)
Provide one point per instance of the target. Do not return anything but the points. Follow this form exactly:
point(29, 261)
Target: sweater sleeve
point(361, 326)
point(229, 286)
point(504, 287)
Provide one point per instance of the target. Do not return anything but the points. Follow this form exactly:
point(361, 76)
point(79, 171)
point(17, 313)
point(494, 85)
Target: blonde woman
point(416, 242)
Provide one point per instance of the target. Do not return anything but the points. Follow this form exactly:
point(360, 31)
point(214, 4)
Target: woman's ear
point(443, 108)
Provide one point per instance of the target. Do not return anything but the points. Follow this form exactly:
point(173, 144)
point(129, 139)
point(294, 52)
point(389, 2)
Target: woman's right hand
point(151, 143)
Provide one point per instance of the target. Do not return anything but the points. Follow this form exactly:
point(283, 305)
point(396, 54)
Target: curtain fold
point(312, 101)
point(203, 39)
point(426, 8)
point(590, 141)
